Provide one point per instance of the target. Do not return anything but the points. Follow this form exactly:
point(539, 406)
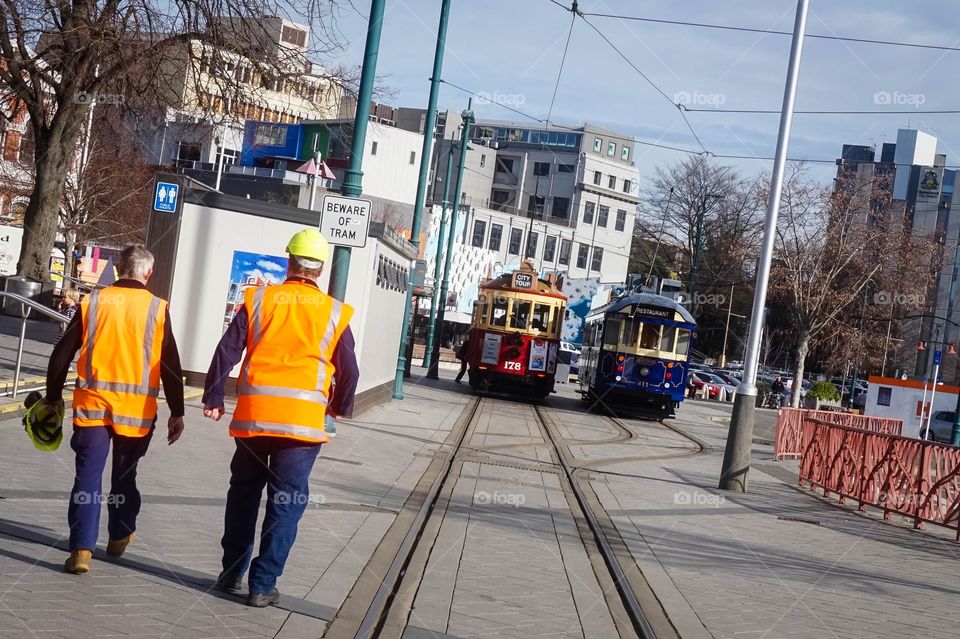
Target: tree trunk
point(68, 258)
point(55, 146)
point(803, 345)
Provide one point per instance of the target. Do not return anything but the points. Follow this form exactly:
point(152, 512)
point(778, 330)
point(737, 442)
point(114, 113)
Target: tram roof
point(540, 287)
point(645, 299)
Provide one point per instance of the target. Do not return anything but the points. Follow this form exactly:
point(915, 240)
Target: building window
point(597, 177)
point(541, 169)
point(479, 231)
point(496, 234)
point(483, 160)
point(532, 245)
point(612, 149)
point(516, 237)
point(621, 219)
point(582, 251)
point(373, 148)
point(504, 165)
point(561, 208)
point(598, 145)
point(597, 262)
point(230, 156)
point(549, 248)
point(566, 168)
point(625, 153)
point(565, 246)
point(187, 154)
point(612, 182)
point(603, 216)
point(413, 157)
point(588, 209)
point(535, 204)
point(627, 185)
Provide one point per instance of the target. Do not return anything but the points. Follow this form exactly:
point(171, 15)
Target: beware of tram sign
point(345, 221)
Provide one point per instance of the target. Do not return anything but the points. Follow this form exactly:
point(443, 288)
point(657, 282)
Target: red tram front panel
point(512, 354)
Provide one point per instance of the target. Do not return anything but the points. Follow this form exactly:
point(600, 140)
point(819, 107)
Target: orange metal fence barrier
point(916, 478)
point(789, 441)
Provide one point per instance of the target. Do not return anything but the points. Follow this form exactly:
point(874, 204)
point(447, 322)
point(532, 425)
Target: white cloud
point(267, 265)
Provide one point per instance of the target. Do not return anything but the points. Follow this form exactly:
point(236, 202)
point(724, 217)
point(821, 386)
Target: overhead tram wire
point(647, 79)
point(827, 112)
point(817, 36)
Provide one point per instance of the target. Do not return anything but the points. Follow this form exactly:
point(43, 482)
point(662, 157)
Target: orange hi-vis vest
point(118, 370)
point(284, 381)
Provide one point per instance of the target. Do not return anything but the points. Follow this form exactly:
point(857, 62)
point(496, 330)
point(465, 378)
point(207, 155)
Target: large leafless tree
point(58, 56)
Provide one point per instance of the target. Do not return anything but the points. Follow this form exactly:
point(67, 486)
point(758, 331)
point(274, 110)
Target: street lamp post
point(736, 455)
point(353, 177)
point(426, 157)
point(438, 259)
point(434, 371)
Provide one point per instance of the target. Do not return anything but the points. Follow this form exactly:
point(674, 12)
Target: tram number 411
point(512, 366)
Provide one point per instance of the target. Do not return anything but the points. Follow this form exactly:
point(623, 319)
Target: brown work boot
point(115, 547)
point(78, 562)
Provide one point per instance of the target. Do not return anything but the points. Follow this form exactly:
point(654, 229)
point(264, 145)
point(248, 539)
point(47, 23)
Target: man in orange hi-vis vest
point(297, 340)
point(126, 349)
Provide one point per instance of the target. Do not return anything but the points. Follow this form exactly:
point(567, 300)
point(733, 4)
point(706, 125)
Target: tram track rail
point(629, 597)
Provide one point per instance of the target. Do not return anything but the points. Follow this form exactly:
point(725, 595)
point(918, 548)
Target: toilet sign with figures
point(165, 197)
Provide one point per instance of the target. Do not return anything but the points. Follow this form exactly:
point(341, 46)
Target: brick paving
point(161, 587)
point(776, 562)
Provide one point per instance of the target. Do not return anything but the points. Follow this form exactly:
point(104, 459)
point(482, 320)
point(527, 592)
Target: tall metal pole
point(428, 350)
point(726, 330)
point(736, 456)
point(221, 145)
point(933, 392)
point(353, 178)
point(317, 158)
point(433, 371)
point(426, 157)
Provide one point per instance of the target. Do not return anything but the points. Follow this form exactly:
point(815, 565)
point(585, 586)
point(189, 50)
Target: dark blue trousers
point(91, 445)
point(282, 465)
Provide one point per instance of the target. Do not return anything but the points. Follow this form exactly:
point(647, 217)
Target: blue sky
point(512, 49)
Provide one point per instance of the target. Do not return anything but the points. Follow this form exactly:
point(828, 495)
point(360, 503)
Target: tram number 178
point(512, 366)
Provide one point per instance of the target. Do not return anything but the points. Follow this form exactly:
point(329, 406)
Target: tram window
point(557, 318)
point(650, 336)
point(541, 317)
point(683, 341)
point(482, 310)
point(668, 338)
point(631, 333)
point(611, 332)
point(520, 314)
point(499, 316)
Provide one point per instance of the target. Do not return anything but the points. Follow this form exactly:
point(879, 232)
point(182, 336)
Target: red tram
point(515, 333)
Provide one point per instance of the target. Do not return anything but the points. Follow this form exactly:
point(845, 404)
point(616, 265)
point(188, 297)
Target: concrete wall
point(207, 240)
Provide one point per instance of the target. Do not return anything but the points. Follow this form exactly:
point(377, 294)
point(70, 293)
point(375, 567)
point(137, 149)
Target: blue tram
point(635, 352)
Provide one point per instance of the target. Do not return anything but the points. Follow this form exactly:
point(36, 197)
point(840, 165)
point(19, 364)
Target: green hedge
point(824, 391)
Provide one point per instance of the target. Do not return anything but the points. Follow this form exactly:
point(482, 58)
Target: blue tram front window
point(668, 338)
point(683, 341)
point(650, 336)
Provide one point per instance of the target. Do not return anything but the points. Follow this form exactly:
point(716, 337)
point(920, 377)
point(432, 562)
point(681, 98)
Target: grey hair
point(135, 262)
point(305, 267)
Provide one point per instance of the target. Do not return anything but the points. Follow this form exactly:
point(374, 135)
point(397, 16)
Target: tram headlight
point(644, 371)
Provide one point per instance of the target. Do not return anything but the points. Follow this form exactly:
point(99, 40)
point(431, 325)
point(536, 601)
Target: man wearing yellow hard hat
point(297, 341)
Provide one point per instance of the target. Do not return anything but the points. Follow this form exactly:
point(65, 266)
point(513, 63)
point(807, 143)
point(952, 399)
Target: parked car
point(729, 377)
point(723, 384)
point(567, 347)
point(941, 427)
point(699, 379)
point(735, 365)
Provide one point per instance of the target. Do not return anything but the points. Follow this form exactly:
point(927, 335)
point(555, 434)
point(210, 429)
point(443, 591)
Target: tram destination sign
point(651, 311)
point(522, 280)
point(345, 221)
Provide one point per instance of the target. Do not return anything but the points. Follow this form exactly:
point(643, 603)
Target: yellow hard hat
point(44, 424)
point(309, 243)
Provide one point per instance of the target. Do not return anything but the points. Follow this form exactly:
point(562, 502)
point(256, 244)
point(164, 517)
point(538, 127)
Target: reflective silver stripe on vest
point(336, 312)
point(256, 328)
point(269, 428)
point(117, 387)
point(282, 391)
point(120, 420)
point(92, 311)
point(148, 334)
